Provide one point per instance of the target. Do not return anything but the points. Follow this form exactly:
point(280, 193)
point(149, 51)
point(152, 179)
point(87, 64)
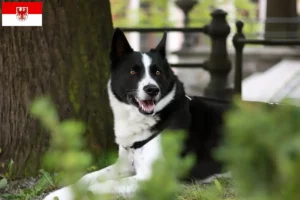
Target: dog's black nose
point(151, 90)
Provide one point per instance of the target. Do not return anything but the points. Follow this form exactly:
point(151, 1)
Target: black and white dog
point(147, 98)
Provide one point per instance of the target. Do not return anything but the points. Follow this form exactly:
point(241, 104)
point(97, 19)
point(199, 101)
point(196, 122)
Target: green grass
point(14, 190)
point(222, 189)
point(219, 189)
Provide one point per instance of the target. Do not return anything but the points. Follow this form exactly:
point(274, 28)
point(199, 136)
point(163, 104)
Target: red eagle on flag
point(22, 13)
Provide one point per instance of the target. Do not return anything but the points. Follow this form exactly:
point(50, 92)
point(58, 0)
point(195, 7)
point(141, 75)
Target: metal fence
point(218, 64)
point(239, 42)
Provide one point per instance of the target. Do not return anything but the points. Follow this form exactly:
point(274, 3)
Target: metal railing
point(218, 63)
point(239, 42)
point(165, 29)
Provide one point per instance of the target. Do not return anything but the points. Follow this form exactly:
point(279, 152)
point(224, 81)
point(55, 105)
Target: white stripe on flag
point(11, 20)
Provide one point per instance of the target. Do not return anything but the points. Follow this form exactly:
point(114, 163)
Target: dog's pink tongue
point(147, 105)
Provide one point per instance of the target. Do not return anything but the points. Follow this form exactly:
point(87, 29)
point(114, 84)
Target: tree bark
point(287, 11)
point(66, 58)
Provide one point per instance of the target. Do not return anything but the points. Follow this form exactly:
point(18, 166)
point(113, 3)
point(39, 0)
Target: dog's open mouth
point(146, 105)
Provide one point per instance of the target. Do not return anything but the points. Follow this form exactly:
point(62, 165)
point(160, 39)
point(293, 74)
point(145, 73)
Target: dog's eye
point(157, 73)
point(132, 72)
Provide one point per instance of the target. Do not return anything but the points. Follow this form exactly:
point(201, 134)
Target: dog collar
point(189, 98)
point(140, 144)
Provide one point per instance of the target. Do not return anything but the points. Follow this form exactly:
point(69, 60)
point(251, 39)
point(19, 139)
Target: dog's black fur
point(200, 117)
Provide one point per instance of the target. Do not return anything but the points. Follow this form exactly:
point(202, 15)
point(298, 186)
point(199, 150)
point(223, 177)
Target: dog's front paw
point(65, 193)
point(106, 187)
point(115, 187)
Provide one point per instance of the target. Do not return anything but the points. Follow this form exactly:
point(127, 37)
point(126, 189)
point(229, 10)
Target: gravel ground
point(14, 187)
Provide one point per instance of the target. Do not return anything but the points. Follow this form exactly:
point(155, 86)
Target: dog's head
point(141, 79)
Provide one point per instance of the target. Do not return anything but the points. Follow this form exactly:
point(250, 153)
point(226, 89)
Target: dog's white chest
point(141, 159)
point(132, 127)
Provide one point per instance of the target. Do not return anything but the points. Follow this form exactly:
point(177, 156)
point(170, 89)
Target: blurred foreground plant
point(164, 184)
point(66, 152)
point(262, 149)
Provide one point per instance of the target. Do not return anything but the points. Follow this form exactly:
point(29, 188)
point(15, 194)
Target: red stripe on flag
point(33, 7)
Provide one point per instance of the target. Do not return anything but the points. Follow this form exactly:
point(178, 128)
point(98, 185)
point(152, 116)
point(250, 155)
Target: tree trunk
point(286, 11)
point(66, 58)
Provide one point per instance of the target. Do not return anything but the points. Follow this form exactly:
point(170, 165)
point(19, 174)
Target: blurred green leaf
point(218, 185)
point(262, 147)
point(3, 183)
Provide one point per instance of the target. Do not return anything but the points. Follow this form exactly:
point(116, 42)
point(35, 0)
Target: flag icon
point(22, 13)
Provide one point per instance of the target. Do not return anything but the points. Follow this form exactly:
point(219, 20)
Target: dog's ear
point(161, 47)
point(119, 45)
